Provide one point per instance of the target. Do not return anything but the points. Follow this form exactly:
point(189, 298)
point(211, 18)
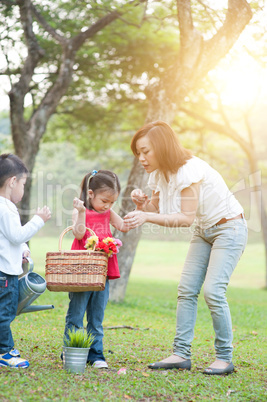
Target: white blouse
point(215, 199)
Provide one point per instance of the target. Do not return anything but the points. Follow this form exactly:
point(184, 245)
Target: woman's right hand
point(139, 198)
point(78, 204)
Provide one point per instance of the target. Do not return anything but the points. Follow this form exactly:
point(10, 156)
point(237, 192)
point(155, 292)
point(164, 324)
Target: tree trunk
point(137, 179)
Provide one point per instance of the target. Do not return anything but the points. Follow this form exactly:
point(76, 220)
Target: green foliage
point(78, 339)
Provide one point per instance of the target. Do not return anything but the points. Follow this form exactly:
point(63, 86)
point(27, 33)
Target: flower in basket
point(91, 242)
point(109, 245)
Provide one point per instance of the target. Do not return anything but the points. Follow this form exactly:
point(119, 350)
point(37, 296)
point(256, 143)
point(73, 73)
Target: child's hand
point(78, 204)
point(134, 219)
point(26, 254)
point(139, 198)
point(44, 213)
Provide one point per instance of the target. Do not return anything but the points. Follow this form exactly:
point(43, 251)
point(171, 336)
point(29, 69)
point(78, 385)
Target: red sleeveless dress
point(99, 223)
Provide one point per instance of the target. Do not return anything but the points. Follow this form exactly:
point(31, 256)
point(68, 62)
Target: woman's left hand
point(134, 219)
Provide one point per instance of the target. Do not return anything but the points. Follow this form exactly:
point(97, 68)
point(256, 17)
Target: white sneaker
point(100, 364)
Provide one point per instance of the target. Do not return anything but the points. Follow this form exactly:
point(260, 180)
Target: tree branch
point(219, 128)
point(8, 2)
point(190, 38)
point(128, 327)
point(237, 17)
point(78, 40)
point(207, 8)
point(59, 38)
point(185, 21)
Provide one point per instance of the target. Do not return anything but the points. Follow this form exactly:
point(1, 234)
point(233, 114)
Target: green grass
point(149, 308)
point(164, 260)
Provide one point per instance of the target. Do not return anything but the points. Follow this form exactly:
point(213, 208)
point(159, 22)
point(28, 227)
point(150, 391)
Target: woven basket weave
point(75, 270)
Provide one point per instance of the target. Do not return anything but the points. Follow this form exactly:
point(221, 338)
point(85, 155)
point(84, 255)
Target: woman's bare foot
point(173, 359)
point(219, 364)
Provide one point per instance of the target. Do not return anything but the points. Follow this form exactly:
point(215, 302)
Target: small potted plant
point(75, 350)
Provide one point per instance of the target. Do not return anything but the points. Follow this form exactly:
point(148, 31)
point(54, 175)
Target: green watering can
point(31, 286)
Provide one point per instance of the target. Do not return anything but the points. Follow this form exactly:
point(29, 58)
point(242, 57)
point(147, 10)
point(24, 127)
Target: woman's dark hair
point(102, 180)
point(170, 154)
point(10, 166)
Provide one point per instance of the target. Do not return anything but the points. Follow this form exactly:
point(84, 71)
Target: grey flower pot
point(75, 359)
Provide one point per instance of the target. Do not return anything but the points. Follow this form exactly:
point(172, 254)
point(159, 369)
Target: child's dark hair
point(97, 182)
point(11, 165)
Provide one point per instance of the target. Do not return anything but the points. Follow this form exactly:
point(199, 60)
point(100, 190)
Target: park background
point(220, 117)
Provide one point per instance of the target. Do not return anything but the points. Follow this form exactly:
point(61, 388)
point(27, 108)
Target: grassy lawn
point(149, 308)
point(164, 260)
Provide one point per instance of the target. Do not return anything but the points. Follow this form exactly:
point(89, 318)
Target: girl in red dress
point(99, 191)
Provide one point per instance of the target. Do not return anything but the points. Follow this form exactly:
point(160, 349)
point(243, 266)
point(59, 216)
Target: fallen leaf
point(127, 396)
point(145, 374)
point(229, 392)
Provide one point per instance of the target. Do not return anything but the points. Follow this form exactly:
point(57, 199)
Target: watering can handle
point(68, 229)
point(31, 265)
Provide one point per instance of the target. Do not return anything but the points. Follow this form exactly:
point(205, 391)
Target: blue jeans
point(9, 296)
point(94, 304)
point(212, 257)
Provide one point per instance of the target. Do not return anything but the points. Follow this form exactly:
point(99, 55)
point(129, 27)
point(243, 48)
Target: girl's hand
point(139, 198)
point(44, 213)
point(134, 219)
point(79, 205)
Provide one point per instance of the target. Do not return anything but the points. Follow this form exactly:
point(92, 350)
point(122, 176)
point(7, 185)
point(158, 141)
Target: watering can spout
point(31, 286)
point(32, 309)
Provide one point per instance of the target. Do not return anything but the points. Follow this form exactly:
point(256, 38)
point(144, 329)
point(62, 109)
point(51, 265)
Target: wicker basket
point(75, 270)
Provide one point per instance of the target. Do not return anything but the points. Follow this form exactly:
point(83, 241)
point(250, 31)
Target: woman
point(185, 189)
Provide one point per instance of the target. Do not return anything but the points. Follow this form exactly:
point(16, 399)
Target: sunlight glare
point(241, 83)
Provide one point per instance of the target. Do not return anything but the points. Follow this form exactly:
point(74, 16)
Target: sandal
point(225, 371)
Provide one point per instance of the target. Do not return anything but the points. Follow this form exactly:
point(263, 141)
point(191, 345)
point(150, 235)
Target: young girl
point(99, 191)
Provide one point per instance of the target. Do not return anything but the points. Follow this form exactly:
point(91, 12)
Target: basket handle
point(68, 229)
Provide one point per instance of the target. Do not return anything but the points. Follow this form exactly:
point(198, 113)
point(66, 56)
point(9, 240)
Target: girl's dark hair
point(101, 181)
point(170, 154)
point(11, 165)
